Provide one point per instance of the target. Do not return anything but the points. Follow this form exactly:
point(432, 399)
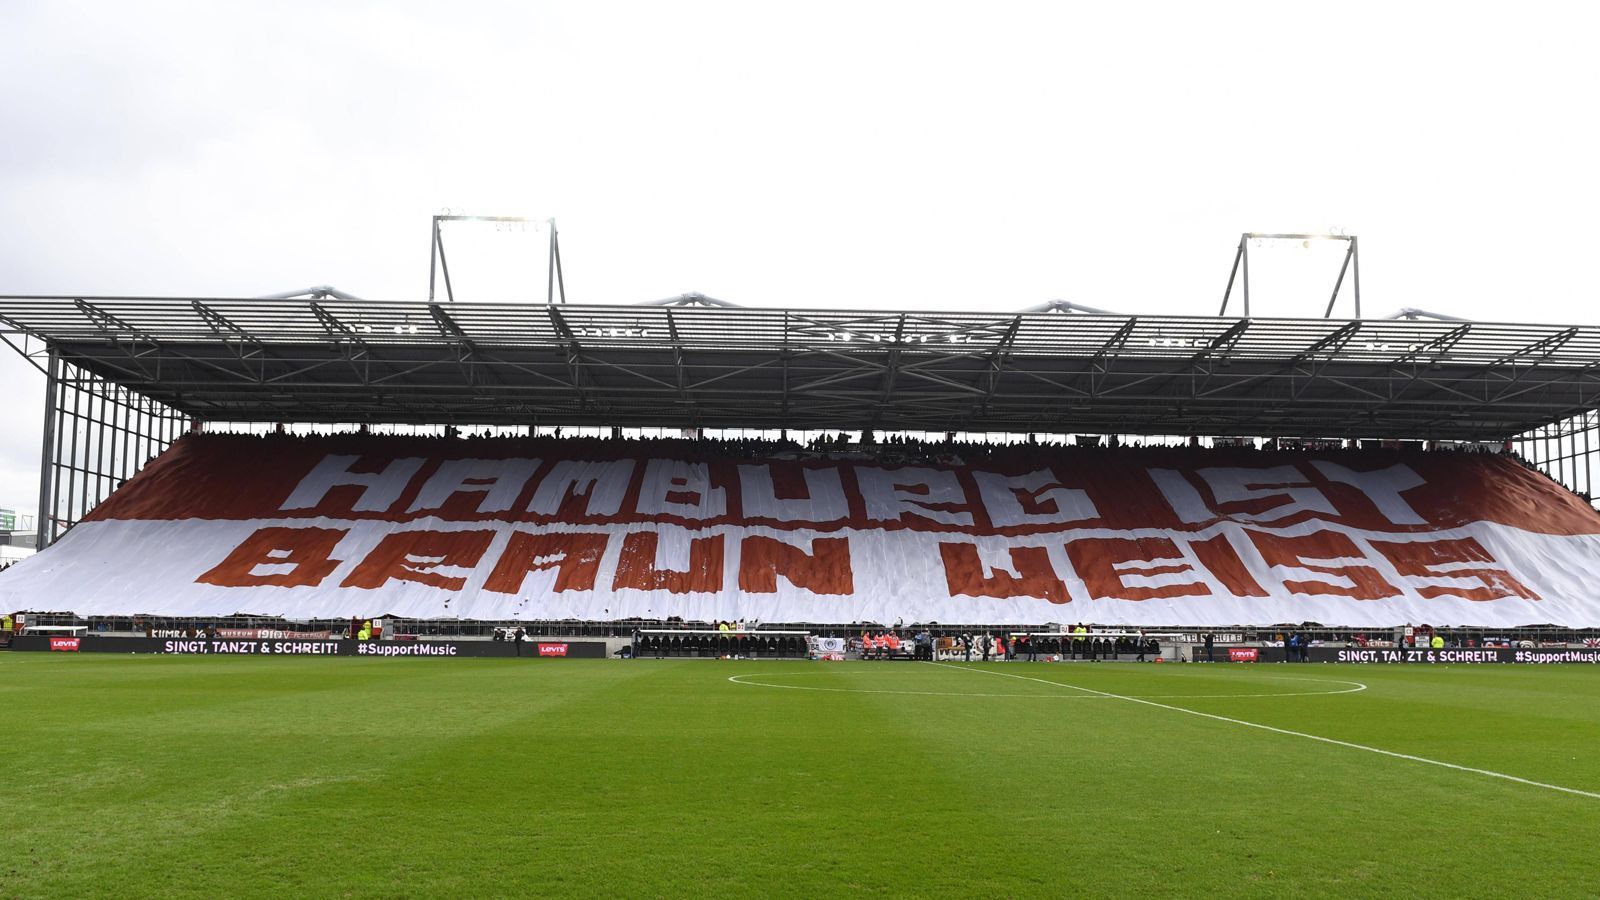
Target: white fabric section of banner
point(132, 567)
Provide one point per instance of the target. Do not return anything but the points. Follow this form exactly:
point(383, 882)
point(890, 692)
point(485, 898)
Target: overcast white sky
point(917, 155)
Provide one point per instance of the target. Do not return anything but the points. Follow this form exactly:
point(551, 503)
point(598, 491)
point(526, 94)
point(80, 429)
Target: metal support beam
point(1349, 253)
point(1233, 274)
point(433, 257)
point(444, 265)
point(553, 276)
point(1355, 259)
point(1241, 265)
point(46, 534)
point(96, 434)
point(644, 365)
point(439, 264)
point(1246, 244)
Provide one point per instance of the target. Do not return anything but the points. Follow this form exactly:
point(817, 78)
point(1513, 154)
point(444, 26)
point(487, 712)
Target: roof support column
point(45, 533)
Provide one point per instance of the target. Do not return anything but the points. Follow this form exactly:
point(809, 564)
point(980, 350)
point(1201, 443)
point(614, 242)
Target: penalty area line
point(1299, 734)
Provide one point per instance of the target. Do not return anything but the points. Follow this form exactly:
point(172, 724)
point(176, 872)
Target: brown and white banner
point(576, 529)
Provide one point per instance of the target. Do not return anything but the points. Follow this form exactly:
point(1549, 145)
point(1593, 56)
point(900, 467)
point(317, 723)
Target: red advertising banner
point(552, 649)
point(66, 644)
point(1243, 654)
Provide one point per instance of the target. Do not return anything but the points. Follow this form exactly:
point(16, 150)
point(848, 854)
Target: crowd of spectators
point(901, 448)
point(895, 446)
point(1079, 642)
point(718, 643)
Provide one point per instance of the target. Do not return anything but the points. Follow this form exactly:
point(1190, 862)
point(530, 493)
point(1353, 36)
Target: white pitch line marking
point(1300, 734)
point(740, 679)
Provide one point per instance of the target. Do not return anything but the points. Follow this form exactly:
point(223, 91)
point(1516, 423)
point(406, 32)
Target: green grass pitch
point(207, 777)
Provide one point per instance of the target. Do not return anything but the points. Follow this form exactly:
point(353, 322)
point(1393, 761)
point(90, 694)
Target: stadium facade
point(537, 528)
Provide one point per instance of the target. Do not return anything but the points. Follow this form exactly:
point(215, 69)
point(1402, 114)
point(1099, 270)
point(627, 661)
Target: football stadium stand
point(544, 528)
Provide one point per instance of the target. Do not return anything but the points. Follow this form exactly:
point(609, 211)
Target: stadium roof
point(720, 366)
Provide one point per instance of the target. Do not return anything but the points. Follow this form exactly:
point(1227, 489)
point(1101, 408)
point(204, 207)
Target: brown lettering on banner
point(575, 557)
point(1322, 553)
point(825, 570)
point(1221, 559)
point(1105, 563)
point(636, 568)
point(1035, 576)
point(1429, 566)
point(417, 555)
point(308, 552)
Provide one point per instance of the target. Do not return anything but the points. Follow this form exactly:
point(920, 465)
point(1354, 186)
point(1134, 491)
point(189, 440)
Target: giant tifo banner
point(581, 529)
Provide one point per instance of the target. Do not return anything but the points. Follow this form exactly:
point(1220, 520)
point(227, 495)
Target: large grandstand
point(829, 467)
point(506, 528)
